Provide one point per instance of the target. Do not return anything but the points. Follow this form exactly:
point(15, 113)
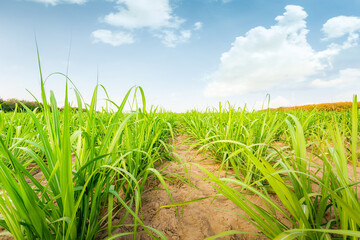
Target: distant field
point(337, 106)
point(10, 105)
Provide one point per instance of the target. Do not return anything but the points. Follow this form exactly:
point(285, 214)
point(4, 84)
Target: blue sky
point(185, 53)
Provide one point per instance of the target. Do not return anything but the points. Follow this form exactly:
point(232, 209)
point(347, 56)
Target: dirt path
point(200, 219)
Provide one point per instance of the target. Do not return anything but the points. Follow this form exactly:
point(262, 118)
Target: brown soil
point(196, 220)
point(2, 231)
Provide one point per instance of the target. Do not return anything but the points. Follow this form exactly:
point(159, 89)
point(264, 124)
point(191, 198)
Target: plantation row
point(308, 159)
point(94, 166)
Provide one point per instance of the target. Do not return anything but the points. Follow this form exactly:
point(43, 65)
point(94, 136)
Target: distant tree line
point(10, 105)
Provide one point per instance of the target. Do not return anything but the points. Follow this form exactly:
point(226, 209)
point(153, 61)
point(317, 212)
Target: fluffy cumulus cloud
point(277, 56)
point(156, 16)
point(112, 38)
point(143, 13)
point(339, 26)
point(56, 2)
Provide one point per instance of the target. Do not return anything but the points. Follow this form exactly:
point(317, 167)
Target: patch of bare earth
point(196, 220)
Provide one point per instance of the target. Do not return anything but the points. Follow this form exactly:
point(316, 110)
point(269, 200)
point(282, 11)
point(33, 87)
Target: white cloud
point(267, 57)
point(56, 2)
point(156, 15)
point(112, 38)
point(272, 57)
point(198, 26)
point(172, 39)
point(339, 26)
point(346, 76)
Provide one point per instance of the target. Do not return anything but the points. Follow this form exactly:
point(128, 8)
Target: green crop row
point(306, 159)
point(93, 166)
